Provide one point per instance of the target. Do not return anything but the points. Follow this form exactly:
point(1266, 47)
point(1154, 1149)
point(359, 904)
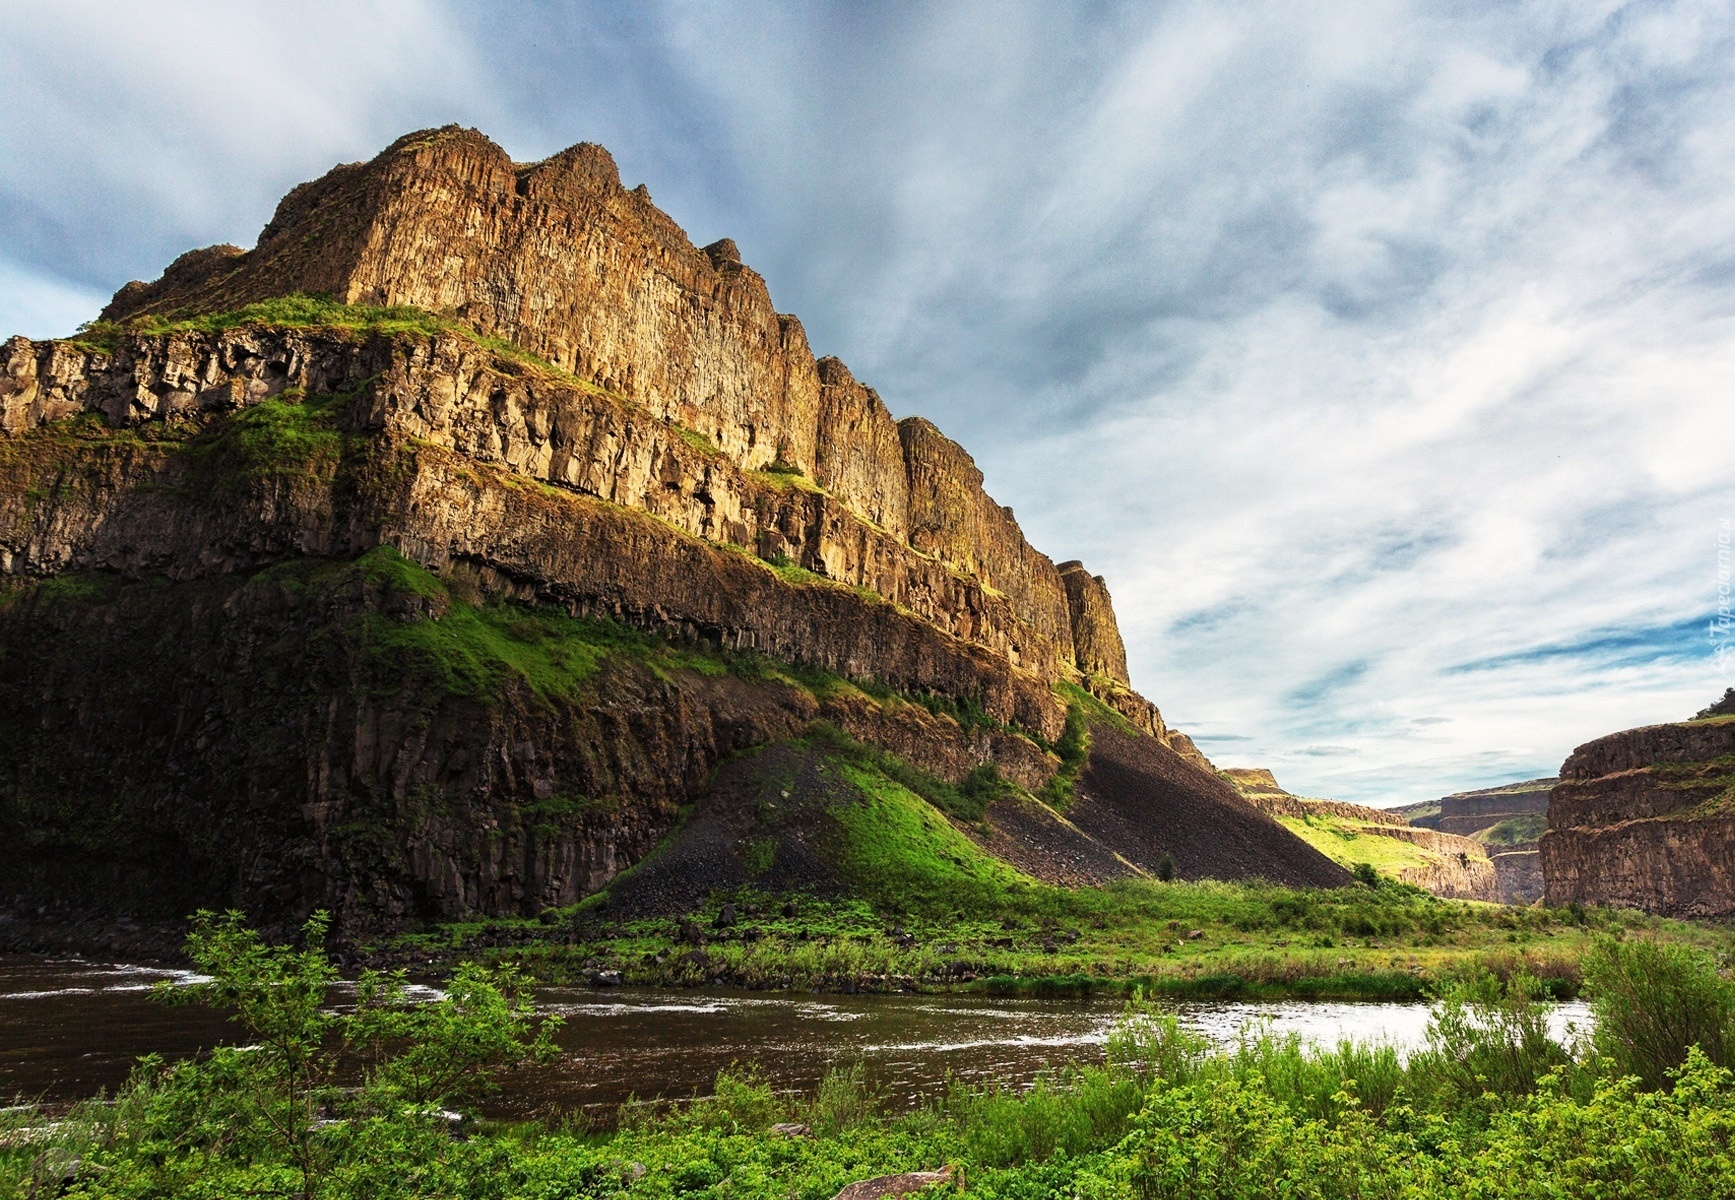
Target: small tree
point(274, 1097)
point(1722, 708)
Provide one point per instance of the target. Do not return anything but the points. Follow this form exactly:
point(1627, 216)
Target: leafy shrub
point(1485, 1036)
point(1654, 1001)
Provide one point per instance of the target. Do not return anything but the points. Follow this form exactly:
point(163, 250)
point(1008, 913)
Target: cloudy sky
point(1380, 355)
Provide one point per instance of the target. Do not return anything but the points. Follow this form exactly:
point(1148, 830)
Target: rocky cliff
point(1646, 819)
point(558, 258)
point(1443, 863)
point(1508, 820)
point(445, 595)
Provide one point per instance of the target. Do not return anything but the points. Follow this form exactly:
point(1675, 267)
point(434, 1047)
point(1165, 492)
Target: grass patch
point(305, 311)
point(1348, 842)
point(1061, 790)
point(1514, 831)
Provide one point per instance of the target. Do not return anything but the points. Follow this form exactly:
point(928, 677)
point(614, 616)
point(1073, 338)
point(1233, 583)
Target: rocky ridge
point(1508, 819)
point(276, 593)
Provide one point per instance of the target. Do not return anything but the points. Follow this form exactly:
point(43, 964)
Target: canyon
point(428, 559)
point(1444, 863)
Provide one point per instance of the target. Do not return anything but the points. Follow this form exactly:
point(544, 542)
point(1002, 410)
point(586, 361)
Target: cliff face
point(628, 519)
point(1508, 820)
point(377, 612)
point(1645, 819)
point(1443, 863)
point(559, 258)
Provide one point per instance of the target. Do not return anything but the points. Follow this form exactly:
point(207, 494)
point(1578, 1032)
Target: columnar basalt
point(1645, 819)
point(559, 258)
point(1096, 636)
point(298, 600)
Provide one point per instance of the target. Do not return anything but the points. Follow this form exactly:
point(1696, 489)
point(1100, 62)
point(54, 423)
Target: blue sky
point(1380, 355)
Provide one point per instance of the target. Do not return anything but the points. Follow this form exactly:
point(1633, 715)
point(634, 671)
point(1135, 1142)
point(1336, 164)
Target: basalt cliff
point(429, 558)
point(1646, 819)
point(1447, 864)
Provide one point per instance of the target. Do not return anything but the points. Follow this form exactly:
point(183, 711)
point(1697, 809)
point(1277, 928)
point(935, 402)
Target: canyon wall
point(1646, 819)
point(1447, 865)
point(559, 258)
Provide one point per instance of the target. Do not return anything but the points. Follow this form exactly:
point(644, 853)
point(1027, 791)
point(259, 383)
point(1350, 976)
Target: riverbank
point(1492, 1105)
point(1181, 940)
point(1174, 940)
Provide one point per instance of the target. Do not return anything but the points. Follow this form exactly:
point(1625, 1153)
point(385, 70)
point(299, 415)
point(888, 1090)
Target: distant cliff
point(1443, 863)
point(1646, 819)
point(1508, 820)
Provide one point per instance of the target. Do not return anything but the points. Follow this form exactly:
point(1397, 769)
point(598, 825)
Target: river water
point(70, 1028)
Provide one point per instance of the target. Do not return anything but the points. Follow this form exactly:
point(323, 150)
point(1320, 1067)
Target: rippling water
point(70, 1027)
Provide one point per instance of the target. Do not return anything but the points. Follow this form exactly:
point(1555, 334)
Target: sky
point(1380, 355)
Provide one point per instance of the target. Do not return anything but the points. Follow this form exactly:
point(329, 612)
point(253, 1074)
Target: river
point(70, 1028)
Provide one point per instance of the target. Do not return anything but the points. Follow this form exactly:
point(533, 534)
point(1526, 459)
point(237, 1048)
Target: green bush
point(1653, 1002)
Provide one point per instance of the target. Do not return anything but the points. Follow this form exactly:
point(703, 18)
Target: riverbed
point(71, 1028)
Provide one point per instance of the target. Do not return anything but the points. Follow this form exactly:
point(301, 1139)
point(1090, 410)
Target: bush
point(1654, 1001)
point(1488, 1037)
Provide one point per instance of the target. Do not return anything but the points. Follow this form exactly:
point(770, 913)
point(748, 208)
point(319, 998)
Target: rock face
point(559, 258)
point(1508, 820)
point(1646, 819)
point(257, 586)
point(1449, 865)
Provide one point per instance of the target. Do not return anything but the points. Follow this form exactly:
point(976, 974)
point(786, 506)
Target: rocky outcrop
point(1469, 813)
point(1646, 819)
point(1096, 637)
point(330, 734)
point(559, 258)
point(1508, 820)
point(276, 596)
point(467, 430)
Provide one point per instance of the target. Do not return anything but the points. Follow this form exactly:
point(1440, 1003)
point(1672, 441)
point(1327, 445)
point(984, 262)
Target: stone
point(901, 1185)
point(1640, 820)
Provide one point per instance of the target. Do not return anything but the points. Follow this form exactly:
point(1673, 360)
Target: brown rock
point(900, 1185)
point(1642, 819)
point(1096, 638)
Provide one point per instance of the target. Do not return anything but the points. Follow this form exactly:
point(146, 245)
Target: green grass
point(1514, 831)
point(1348, 842)
point(1061, 790)
point(898, 850)
point(303, 311)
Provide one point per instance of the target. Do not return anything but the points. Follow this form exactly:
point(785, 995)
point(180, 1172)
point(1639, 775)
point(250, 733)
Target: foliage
point(1166, 1115)
point(312, 1087)
point(1061, 790)
point(1654, 1001)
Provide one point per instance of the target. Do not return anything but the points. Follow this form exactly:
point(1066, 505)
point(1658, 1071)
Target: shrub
point(1655, 1000)
point(1488, 1037)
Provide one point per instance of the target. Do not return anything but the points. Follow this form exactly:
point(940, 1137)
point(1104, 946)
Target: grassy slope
point(1348, 842)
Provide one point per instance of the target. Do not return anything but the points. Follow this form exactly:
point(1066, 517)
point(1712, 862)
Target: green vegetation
point(303, 311)
point(1491, 1106)
point(1348, 842)
point(950, 917)
point(1514, 831)
point(1061, 790)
